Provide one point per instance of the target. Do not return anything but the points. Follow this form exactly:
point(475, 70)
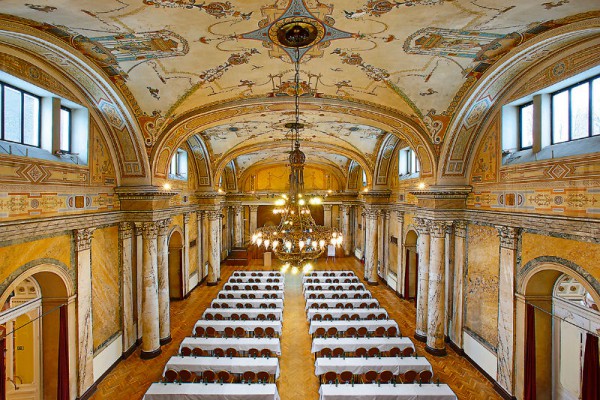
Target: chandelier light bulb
point(254, 237)
point(294, 270)
point(275, 244)
point(259, 241)
point(301, 202)
point(288, 245)
point(301, 244)
point(267, 241)
point(322, 243)
point(308, 267)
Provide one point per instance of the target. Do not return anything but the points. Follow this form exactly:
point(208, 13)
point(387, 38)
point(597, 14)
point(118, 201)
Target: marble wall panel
point(193, 238)
point(481, 295)
point(106, 291)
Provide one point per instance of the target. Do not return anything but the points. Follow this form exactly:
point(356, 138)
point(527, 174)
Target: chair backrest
point(261, 317)
point(186, 376)
point(312, 296)
point(231, 352)
point(345, 376)
point(263, 376)
point(386, 376)
point(248, 287)
point(249, 376)
point(199, 331)
point(373, 305)
point(321, 296)
point(325, 352)
point(314, 305)
point(337, 352)
point(370, 376)
point(424, 376)
point(267, 287)
point(265, 353)
point(354, 317)
point(320, 332)
point(366, 296)
point(253, 353)
point(225, 376)
point(230, 296)
point(379, 331)
point(210, 331)
point(218, 352)
point(348, 305)
point(209, 316)
point(273, 295)
point(394, 352)
point(224, 305)
point(244, 317)
point(259, 332)
point(228, 332)
point(339, 305)
point(373, 352)
point(371, 316)
point(239, 305)
point(240, 332)
point(244, 296)
point(344, 296)
point(235, 316)
point(219, 317)
point(407, 352)
point(409, 376)
point(197, 352)
point(254, 287)
point(222, 295)
point(171, 375)
point(209, 376)
point(357, 295)
point(251, 296)
point(392, 331)
point(360, 352)
point(270, 331)
point(350, 332)
point(271, 317)
point(332, 332)
point(248, 305)
point(382, 316)
point(317, 317)
point(323, 305)
point(330, 377)
point(351, 287)
point(186, 351)
point(227, 287)
point(344, 317)
point(327, 317)
point(362, 331)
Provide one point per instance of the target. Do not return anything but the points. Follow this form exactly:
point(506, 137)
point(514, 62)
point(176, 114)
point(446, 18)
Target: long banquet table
point(257, 273)
point(331, 303)
point(240, 344)
point(328, 294)
point(232, 303)
point(333, 286)
point(321, 279)
point(257, 279)
point(235, 365)
point(351, 344)
point(342, 325)
point(360, 365)
point(251, 312)
point(336, 313)
point(212, 391)
point(330, 273)
point(237, 294)
point(248, 325)
point(248, 286)
point(386, 392)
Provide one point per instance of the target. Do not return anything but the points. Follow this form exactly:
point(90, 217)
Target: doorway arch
point(55, 288)
point(536, 285)
point(411, 264)
point(176, 265)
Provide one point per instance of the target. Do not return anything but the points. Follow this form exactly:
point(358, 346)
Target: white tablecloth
point(248, 325)
point(351, 344)
point(258, 273)
point(360, 365)
point(385, 392)
point(251, 312)
point(332, 286)
point(212, 391)
point(237, 294)
point(343, 325)
point(261, 286)
point(235, 365)
point(255, 302)
point(261, 279)
point(240, 344)
point(335, 273)
point(336, 313)
point(323, 278)
point(329, 293)
point(333, 302)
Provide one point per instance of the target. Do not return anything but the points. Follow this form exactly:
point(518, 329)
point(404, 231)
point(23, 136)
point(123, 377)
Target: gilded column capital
point(327, 207)
point(253, 209)
point(437, 229)
point(149, 230)
point(400, 216)
point(460, 228)
point(508, 236)
point(83, 239)
point(213, 215)
point(344, 209)
point(371, 213)
point(186, 218)
point(386, 214)
point(162, 226)
point(126, 230)
point(237, 210)
point(422, 225)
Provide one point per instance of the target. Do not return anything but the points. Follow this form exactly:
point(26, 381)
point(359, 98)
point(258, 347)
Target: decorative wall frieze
point(422, 225)
point(126, 230)
point(83, 239)
point(508, 236)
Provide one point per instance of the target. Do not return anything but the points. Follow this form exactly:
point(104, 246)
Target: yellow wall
point(481, 294)
point(193, 231)
point(24, 361)
point(106, 290)
point(276, 178)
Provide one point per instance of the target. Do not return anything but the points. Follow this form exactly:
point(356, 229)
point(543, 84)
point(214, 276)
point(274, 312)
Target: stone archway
point(411, 264)
point(176, 287)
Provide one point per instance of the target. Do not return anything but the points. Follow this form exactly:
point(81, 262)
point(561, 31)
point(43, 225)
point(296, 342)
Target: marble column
point(150, 313)
point(214, 258)
point(186, 254)
point(345, 228)
point(139, 288)
point(370, 246)
point(205, 245)
point(385, 240)
point(460, 256)
point(253, 219)
point(448, 277)
point(400, 269)
point(436, 301)
point(422, 227)
point(509, 238)
point(127, 302)
point(199, 246)
point(327, 215)
point(85, 359)
point(162, 260)
point(238, 226)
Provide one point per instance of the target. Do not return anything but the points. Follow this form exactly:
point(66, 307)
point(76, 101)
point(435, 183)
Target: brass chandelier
point(297, 238)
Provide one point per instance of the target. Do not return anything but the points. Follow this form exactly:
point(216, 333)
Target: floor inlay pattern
point(131, 377)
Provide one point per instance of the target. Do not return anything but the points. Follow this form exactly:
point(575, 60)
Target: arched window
point(179, 165)
point(408, 163)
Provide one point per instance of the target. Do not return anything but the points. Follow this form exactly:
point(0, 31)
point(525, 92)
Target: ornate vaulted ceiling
point(414, 59)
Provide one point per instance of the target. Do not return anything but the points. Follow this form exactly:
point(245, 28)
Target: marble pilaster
point(150, 308)
point(423, 241)
point(506, 313)
point(460, 246)
point(127, 299)
point(253, 219)
point(327, 215)
point(162, 258)
point(199, 246)
point(345, 228)
point(205, 245)
point(400, 269)
point(139, 266)
point(214, 257)
point(436, 293)
point(186, 254)
point(384, 239)
point(370, 246)
point(85, 359)
point(448, 277)
point(238, 226)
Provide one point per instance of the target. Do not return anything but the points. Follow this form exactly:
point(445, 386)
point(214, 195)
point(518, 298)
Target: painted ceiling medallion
point(297, 28)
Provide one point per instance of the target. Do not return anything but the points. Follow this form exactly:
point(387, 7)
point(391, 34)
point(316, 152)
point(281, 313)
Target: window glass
point(364, 178)
point(560, 117)
point(596, 107)
point(12, 114)
point(580, 111)
point(31, 120)
point(182, 167)
point(526, 118)
point(65, 129)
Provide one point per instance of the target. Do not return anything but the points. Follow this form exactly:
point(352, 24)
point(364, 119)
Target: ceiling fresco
point(248, 160)
point(416, 58)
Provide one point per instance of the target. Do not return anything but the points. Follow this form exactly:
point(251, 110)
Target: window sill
point(408, 176)
point(178, 177)
point(573, 148)
point(21, 150)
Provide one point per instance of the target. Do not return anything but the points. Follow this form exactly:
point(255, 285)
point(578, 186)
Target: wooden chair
point(407, 352)
point(369, 377)
point(319, 332)
point(339, 305)
point(244, 317)
point(259, 332)
point(270, 332)
point(208, 316)
point(392, 331)
point(273, 295)
point(424, 376)
point(199, 331)
point(357, 295)
point(186, 351)
point(325, 352)
point(362, 331)
point(394, 352)
point(171, 376)
point(344, 317)
point(323, 305)
point(230, 296)
point(228, 332)
point(231, 352)
point(209, 376)
point(261, 317)
point(224, 305)
point(366, 296)
point(235, 287)
point(235, 317)
point(354, 317)
point(329, 377)
point(263, 376)
point(271, 317)
point(222, 296)
point(249, 376)
point(328, 280)
point(271, 305)
point(344, 296)
point(373, 352)
point(266, 353)
point(363, 305)
point(225, 376)
point(244, 296)
point(254, 287)
point(348, 306)
point(218, 352)
point(265, 295)
point(239, 305)
point(312, 296)
point(321, 296)
point(314, 305)
point(379, 331)
point(346, 377)
point(337, 352)
point(248, 287)
point(262, 305)
point(197, 352)
point(186, 376)
point(371, 317)
point(275, 287)
point(252, 296)
point(219, 317)
point(240, 332)
point(210, 332)
point(386, 376)
point(373, 305)
point(382, 316)
point(409, 376)
point(253, 353)
point(350, 332)
point(360, 352)
point(317, 317)
point(327, 317)
point(351, 287)
point(332, 332)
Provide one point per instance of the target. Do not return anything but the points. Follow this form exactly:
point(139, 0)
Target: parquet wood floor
point(131, 377)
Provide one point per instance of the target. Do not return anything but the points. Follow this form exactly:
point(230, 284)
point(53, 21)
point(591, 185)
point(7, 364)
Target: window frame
point(569, 89)
point(520, 122)
point(176, 165)
point(22, 116)
point(70, 133)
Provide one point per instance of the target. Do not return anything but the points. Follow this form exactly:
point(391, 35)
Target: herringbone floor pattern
point(131, 377)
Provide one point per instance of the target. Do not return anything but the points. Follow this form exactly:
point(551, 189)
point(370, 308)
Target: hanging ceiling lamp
point(297, 238)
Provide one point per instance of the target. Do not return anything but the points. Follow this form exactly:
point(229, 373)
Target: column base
point(436, 352)
point(420, 338)
point(211, 283)
point(166, 340)
point(147, 355)
point(376, 283)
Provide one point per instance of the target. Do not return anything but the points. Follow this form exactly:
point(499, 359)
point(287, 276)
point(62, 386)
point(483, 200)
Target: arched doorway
point(176, 265)
point(565, 309)
point(411, 261)
point(31, 318)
